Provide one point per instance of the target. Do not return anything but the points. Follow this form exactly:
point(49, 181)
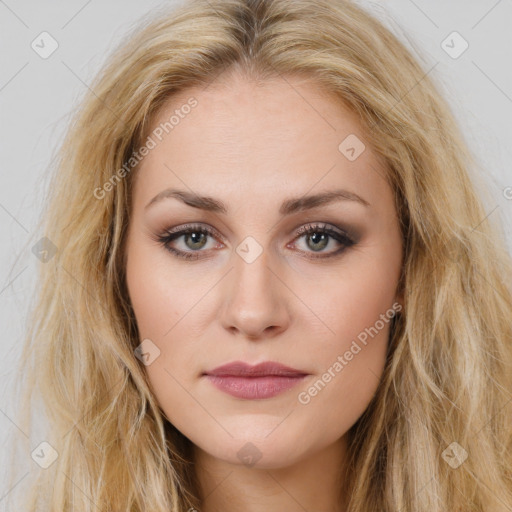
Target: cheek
point(158, 298)
point(354, 303)
point(350, 366)
point(159, 311)
point(355, 311)
point(165, 310)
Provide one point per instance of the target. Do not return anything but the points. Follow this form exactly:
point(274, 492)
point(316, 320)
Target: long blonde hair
point(446, 388)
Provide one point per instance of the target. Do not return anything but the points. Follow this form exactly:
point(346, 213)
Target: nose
point(254, 302)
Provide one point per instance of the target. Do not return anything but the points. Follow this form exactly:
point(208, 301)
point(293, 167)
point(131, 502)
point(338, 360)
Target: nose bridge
point(255, 303)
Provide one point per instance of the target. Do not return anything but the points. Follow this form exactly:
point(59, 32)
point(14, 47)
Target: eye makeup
point(319, 233)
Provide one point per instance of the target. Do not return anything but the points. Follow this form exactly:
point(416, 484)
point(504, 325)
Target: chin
point(252, 451)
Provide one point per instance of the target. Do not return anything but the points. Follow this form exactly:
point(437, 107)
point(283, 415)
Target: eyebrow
point(288, 207)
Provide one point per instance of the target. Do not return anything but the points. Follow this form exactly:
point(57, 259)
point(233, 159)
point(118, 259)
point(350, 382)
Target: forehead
point(283, 134)
point(242, 113)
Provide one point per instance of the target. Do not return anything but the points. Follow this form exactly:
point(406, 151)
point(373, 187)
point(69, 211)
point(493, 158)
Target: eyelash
point(169, 236)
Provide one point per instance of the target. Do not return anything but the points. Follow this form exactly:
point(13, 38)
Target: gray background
point(37, 96)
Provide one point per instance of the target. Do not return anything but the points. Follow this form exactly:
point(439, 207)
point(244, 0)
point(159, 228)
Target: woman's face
point(254, 165)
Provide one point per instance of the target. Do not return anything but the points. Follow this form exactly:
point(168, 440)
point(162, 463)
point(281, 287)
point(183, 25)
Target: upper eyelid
point(298, 232)
point(322, 226)
point(341, 236)
point(180, 230)
point(206, 227)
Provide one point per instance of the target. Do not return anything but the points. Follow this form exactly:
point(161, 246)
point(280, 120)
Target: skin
point(253, 146)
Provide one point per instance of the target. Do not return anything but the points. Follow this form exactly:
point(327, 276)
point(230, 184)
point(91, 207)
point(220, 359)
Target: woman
point(274, 285)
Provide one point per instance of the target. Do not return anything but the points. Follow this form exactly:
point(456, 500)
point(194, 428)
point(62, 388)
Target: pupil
point(195, 236)
point(319, 238)
point(316, 238)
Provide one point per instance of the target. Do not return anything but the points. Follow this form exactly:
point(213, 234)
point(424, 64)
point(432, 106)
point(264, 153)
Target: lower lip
point(254, 388)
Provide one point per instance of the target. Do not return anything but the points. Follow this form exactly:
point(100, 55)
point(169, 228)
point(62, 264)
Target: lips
point(264, 380)
point(268, 368)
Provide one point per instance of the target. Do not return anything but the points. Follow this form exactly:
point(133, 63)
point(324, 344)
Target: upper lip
point(241, 369)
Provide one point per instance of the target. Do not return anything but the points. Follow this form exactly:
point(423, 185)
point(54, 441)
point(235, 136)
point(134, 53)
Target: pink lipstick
point(265, 380)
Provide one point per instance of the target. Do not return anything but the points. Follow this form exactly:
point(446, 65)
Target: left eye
point(317, 238)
